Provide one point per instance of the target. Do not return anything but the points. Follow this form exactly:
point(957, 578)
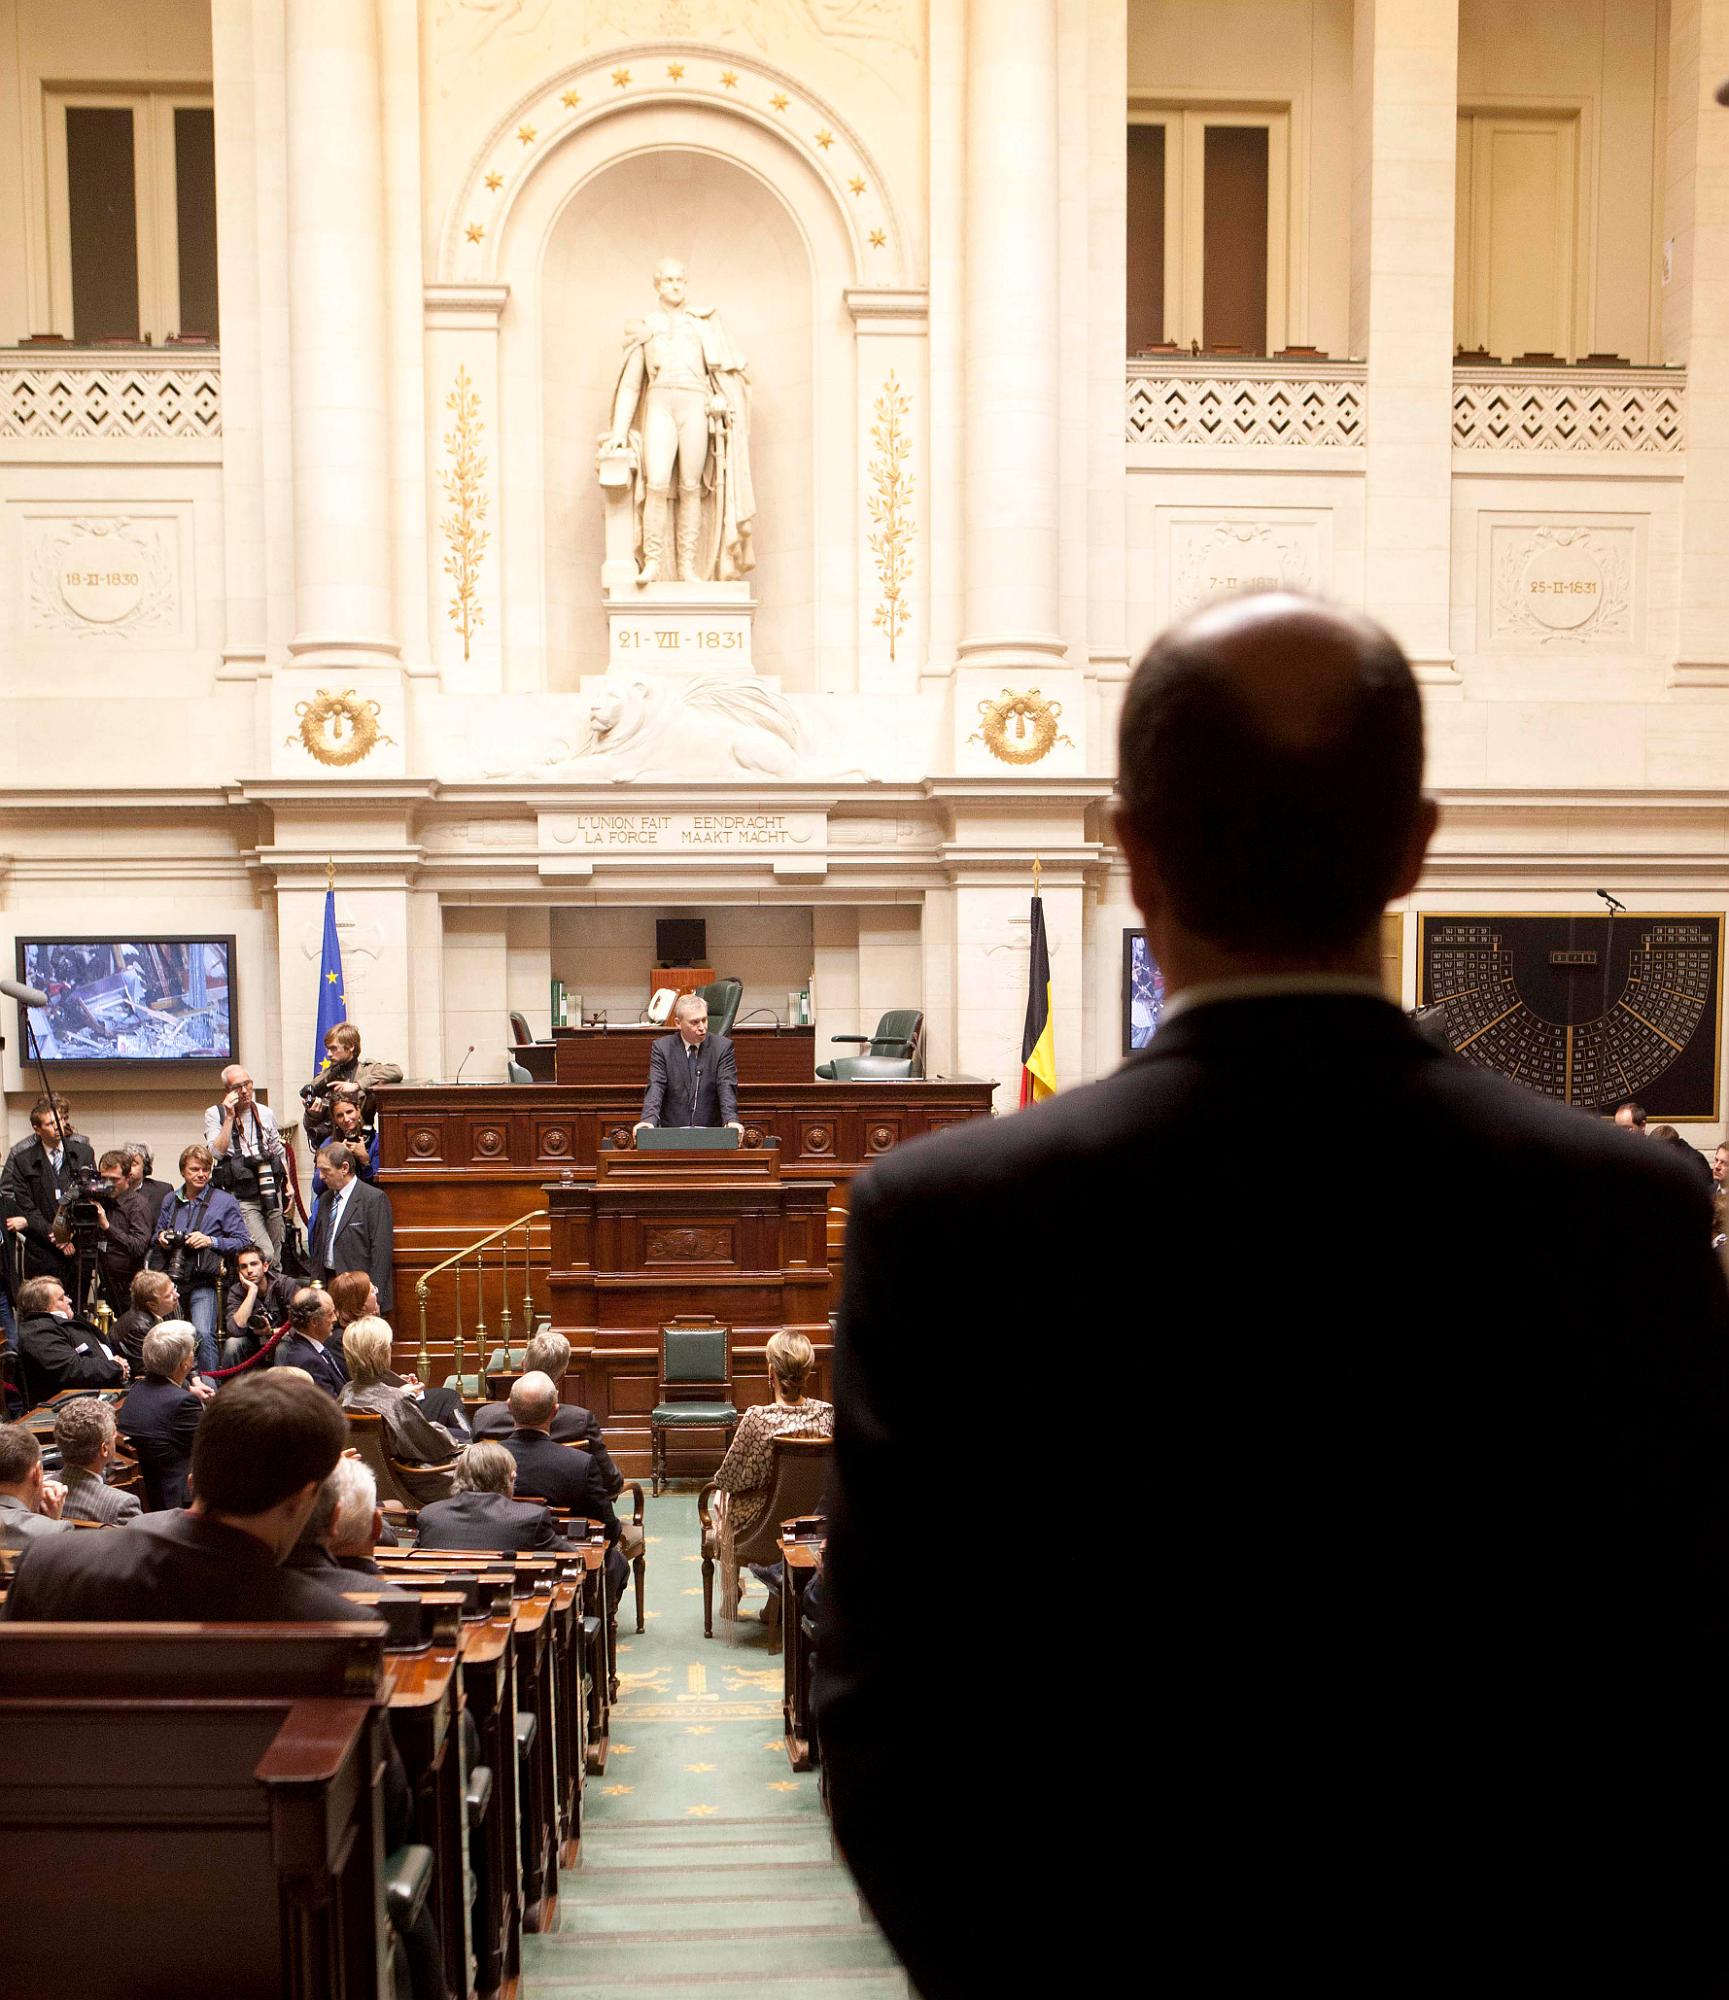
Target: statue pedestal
point(680, 628)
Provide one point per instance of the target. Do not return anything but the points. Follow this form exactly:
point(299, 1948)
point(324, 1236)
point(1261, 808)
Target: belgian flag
point(1038, 1041)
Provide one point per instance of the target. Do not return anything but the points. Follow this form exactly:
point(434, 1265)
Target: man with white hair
point(250, 1163)
point(344, 1526)
point(159, 1418)
point(84, 1432)
point(482, 1513)
point(558, 1474)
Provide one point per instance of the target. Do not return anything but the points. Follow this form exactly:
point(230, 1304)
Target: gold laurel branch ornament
point(339, 728)
point(1027, 719)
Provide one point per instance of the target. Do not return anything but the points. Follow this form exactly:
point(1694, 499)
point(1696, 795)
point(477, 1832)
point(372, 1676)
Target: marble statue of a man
point(682, 408)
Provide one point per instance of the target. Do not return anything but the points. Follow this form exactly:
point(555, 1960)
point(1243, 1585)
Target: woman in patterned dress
point(748, 1467)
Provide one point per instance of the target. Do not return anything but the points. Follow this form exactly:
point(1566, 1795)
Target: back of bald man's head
point(1271, 760)
point(533, 1399)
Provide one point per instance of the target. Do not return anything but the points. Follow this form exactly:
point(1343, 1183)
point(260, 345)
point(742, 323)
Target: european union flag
point(332, 998)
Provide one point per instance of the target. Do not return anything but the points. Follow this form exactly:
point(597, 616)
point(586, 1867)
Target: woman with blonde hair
point(748, 1466)
point(410, 1436)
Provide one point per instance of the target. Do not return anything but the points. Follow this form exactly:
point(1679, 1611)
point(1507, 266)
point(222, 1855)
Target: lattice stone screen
point(1183, 403)
point(1567, 409)
point(145, 400)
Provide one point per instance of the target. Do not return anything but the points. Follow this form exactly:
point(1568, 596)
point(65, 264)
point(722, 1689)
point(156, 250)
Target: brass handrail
point(476, 1249)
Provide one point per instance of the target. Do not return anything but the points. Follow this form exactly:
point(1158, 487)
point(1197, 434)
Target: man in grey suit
point(30, 1504)
point(84, 1432)
point(355, 1230)
point(692, 1075)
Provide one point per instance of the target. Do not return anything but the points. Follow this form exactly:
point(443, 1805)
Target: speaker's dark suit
point(487, 1521)
point(159, 1421)
point(167, 1567)
point(691, 1090)
point(571, 1424)
point(30, 1187)
point(1416, 1467)
point(365, 1240)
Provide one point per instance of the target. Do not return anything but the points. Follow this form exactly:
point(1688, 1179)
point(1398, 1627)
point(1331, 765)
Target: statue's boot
point(689, 528)
point(654, 508)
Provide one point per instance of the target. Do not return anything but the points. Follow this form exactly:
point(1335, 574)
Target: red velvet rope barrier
point(251, 1361)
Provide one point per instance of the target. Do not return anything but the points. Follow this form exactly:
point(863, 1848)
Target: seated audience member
point(748, 1467)
point(58, 1350)
point(250, 1161)
point(556, 1472)
point(154, 1299)
point(311, 1321)
point(263, 1449)
point(353, 1229)
point(347, 1128)
point(355, 1296)
point(342, 1074)
point(1631, 1118)
point(344, 1527)
point(549, 1354)
point(257, 1306)
point(84, 1432)
point(159, 1418)
point(123, 1239)
point(38, 1175)
point(197, 1227)
point(141, 1177)
point(30, 1503)
point(410, 1436)
point(481, 1514)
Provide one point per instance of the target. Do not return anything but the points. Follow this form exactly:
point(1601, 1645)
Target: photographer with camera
point(257, 1306)
point(242, 1136)
point(122, 1222)
point(342, 1074)
point(198, 1227)
point(40, 1172)
point(350, 1129)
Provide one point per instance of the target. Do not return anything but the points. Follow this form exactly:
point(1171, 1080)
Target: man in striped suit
point(84, 1431)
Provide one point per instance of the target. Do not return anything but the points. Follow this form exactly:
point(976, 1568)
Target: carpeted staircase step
point(676, 1911)
point(676, 1958)
point(616, 1881)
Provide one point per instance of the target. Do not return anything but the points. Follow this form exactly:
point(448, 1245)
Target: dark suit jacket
point(323, 1364)
point(548, 1471)
point(669, 1097)
point(571, 1424)
point(65, 1354)
point(159, 1421)
point(487, 1521)
point(122, 1249)
point(167, 1567)
point(365, 1242)
point(28, 1187)
point(1420, 1481)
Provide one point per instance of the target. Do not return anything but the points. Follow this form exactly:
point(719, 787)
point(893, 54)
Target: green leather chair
point(895, 1050)
point(695, 1386)
point(722, 1000)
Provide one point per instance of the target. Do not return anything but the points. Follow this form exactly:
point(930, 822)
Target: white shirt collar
point(1270, 986)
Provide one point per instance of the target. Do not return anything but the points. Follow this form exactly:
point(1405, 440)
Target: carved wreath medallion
point(1021, 728)
point(339, 728)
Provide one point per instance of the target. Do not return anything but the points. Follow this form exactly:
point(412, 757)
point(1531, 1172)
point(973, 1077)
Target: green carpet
point(706, 1860)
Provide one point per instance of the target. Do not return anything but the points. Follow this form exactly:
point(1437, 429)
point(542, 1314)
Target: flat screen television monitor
point(130, 1000)
point(1143, 992)
point(680, 941)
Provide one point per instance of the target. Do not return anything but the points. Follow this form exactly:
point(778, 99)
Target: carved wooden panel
point(489, 1141)
point(631, 1395)
point(816, 1137)
point(555, 1140)
point(423, 1141)
point(881, 1132)
point(687, 1244)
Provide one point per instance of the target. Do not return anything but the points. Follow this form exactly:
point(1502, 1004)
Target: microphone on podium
point(461, 1066)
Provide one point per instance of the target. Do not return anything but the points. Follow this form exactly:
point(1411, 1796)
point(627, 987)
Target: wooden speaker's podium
point(687, 1221)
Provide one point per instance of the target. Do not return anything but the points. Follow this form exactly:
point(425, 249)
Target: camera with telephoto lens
point(179, 1257)
point(84, 1205)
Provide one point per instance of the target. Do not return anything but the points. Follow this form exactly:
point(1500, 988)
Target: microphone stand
point(84, 1271)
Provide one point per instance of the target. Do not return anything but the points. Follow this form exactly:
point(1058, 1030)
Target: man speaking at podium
point(692, 1076)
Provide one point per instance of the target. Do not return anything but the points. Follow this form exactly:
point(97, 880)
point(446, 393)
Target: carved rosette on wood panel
point(423, 1144)
point(489, 1143)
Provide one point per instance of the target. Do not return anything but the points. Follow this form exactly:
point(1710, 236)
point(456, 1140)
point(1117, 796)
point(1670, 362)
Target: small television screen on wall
point(1143, 992)
point(130, 1000)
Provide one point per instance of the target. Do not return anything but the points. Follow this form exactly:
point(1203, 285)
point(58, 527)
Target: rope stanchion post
point(461, 1354)
point(480, 1306)
point(422, 1286)
point(504, 1294)
point(527, 1279)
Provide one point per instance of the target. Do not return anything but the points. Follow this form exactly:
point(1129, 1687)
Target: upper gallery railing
point(1585, 407)
point(75, 402)
point(1235, 400)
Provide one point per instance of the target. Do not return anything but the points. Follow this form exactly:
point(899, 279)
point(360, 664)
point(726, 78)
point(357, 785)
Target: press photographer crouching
point(199, 1225)
point(257, 1306)
point(242, 1136)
